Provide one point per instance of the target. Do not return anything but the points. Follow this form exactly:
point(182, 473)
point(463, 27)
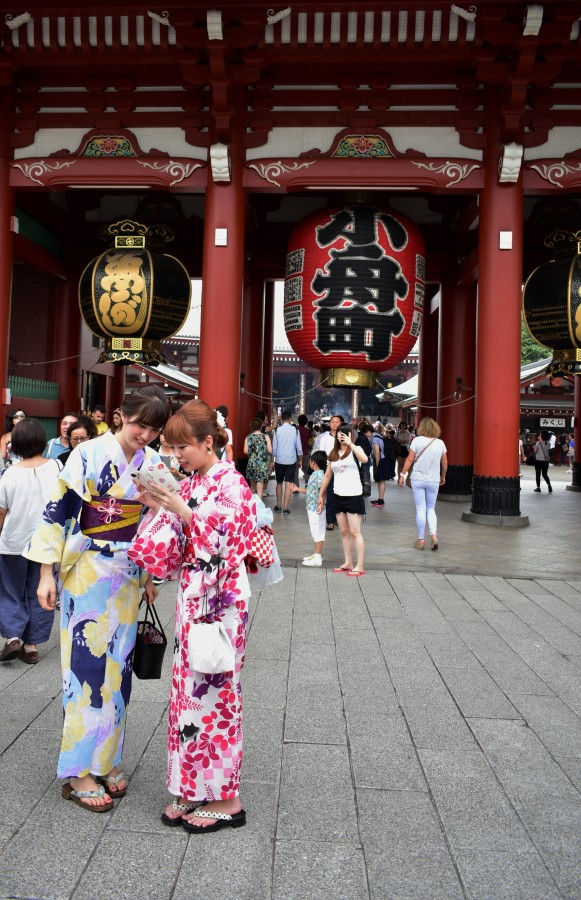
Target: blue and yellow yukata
point(87, 527)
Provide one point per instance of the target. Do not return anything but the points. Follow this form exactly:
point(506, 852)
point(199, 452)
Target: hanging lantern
point(552, 305)
point(354, 292)
point(135, 295)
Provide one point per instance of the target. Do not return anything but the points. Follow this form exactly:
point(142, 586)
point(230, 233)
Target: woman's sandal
point(330, 527)
point(419, 545)
point(109, 781)
point(236, 820)
point(347, 569)
point(434, 543)
point(69, 793)
point(356, 573)
point(183, 809)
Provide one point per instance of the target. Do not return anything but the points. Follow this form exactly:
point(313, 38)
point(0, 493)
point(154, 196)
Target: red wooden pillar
point(7, 206)
point(251, 355)
point(496, 487)
point(428, 360)
point(576, 477)
point(222, 286)
point(268, 348)
point(115, 390)
point(66, 341)
point(456, 384)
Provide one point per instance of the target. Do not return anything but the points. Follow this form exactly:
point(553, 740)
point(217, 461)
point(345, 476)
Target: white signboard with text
point(552, 423)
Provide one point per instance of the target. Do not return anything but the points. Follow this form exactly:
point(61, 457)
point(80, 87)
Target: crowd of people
point(81, 531)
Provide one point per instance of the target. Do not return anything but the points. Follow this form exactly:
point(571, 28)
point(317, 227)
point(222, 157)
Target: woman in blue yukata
point(86, 529)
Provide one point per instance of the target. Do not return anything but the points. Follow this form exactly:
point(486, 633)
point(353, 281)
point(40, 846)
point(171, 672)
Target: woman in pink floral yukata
point(202, 534)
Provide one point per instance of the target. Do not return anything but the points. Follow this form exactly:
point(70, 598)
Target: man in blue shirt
point(57, 446)
point(287, 451)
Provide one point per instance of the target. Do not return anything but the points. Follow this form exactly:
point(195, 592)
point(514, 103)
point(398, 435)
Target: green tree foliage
point(530, 350)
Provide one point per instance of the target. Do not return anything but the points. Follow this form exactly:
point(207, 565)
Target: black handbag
point(365, 480)
point(150, 645)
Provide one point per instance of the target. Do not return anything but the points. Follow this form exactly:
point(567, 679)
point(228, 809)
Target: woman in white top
point(542, 448)
point(25, 489)
point(348, 502)
point(428, 456)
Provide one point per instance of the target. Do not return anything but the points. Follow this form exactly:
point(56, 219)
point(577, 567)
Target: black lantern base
point(562, 365)
point(576, 478)
point(458, 484)
point(127, 351)
point(496, 501)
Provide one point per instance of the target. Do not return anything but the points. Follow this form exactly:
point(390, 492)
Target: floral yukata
point(205, 714)
point(86, 530)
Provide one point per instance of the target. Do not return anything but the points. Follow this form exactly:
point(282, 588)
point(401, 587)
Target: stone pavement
point(412, 734)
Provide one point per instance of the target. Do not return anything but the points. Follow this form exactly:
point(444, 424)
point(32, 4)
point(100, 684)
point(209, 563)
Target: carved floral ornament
point(177, 170)
point(35, 170)
point(552, 172)
point(279, 172)
point(455, 171)
point(271, 171)
point(41, 171)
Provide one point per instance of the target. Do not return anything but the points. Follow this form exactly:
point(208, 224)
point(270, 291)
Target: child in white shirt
point(317, 521)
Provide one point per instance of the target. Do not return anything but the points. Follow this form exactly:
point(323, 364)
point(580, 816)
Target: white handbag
point(210, 649)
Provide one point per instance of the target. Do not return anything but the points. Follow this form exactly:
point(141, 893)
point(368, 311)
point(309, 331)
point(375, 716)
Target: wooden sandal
point(69, 793)
point(109, 781)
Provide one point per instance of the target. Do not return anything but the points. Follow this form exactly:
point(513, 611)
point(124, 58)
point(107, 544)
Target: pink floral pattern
point(157, 548)
point(205, 713)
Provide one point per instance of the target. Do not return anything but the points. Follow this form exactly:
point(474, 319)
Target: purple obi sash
point(108, 519)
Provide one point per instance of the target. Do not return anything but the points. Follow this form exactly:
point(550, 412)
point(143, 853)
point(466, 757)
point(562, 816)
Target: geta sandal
point(237, 820)
point(69, 793)
point(183, 808)
point(110, 780)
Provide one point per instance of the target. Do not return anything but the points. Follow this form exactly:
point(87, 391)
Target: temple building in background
point(228, 126)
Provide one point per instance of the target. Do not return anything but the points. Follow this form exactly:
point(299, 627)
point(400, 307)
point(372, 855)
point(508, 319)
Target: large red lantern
point(354, 292)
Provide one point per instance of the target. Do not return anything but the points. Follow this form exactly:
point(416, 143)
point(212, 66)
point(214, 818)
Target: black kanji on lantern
point(366, 282)
point(357, 330)
point(358, 225)
point(361, 283)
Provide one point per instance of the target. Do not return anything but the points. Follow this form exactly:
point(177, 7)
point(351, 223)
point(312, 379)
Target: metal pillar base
point(458, 486)
point(496, 521)
point(495, 501)
point(575, 478)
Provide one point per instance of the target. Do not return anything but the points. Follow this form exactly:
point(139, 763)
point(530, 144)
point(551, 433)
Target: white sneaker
point(315, 560)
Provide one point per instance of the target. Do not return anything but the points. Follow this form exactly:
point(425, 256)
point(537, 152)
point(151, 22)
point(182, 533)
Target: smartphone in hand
point(156, 476)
